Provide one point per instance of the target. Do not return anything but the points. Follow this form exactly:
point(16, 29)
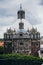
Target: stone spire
point(20, 6)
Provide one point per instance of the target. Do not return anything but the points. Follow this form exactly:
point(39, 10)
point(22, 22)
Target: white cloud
point(8, 13)
point(6, 21)
point(39, 28)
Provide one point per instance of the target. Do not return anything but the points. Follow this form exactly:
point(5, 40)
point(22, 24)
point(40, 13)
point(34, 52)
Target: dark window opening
point(37, 44)
point(21, 43)
point(20, 34)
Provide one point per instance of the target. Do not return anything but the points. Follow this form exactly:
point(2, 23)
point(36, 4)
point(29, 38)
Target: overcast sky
point(8, 14)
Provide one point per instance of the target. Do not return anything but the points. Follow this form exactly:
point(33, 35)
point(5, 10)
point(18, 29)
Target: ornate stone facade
point(22, 41)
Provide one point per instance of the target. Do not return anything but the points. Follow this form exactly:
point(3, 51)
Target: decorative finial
point(20, 6)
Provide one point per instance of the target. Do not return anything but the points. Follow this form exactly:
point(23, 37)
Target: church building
point(22, 41)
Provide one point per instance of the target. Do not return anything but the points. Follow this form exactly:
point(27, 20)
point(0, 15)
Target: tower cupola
point(21, 25)
point(21, 13)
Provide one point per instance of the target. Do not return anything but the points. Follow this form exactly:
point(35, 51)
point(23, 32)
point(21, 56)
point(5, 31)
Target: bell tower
point(21, 13)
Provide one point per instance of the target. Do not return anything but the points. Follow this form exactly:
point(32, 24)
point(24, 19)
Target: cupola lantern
point(21, 13)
